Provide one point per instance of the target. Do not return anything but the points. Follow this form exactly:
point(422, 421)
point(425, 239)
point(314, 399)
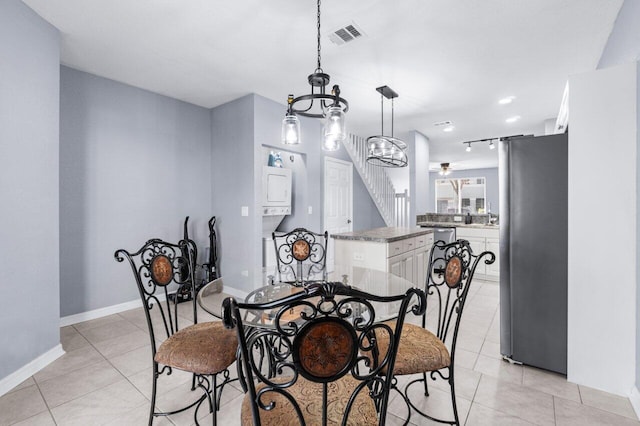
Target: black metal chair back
point(449, 275)
point(160, 268)
point(300, 253)
point(317, 343)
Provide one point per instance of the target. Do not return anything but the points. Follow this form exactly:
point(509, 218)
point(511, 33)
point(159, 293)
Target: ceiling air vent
point(346, 34)
point(443, 123)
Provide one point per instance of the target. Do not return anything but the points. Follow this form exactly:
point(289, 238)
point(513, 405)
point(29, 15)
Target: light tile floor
point(105, 378)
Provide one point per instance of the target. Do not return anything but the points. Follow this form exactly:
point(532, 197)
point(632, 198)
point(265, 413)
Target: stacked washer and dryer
point(276, 204)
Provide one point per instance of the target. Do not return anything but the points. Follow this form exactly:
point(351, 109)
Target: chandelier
point(386, 151)
point(317, 104)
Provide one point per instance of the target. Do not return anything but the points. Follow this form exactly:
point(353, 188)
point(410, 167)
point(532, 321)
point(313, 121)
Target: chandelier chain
point(319, 67)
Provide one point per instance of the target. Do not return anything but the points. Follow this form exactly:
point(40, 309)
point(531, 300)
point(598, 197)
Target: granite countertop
point(383, 235)
point(457, 225)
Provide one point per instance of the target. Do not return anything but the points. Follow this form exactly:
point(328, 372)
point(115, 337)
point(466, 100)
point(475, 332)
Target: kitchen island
point(401, 251)
point(481, 237)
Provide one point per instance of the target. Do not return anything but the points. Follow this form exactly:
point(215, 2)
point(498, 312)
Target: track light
point(490, 140)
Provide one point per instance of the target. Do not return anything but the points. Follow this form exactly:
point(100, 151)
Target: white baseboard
point(99, 313)
point(103, 312)
point(22, 374)
point(635, 400)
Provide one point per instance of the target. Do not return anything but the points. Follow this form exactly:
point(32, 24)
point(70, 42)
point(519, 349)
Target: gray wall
point(421, 181)
point(491, 175)
point(133, 164)
point(29, 120)
point(624, 41)
point(624, 46)
point(233, 181)
point(241, 132)
point(269, 116)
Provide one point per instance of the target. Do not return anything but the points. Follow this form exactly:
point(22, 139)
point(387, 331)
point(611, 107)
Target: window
point(464, 195)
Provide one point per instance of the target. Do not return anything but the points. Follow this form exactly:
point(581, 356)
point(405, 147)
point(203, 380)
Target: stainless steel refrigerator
point(533, 250)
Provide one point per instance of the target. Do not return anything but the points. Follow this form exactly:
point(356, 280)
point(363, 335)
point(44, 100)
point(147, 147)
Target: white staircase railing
point(376, 180)
point(402, 209)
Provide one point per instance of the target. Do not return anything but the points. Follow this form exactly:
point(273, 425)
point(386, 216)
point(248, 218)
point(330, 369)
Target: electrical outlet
point(310, 209)
point(457, 218)
point(358, 256)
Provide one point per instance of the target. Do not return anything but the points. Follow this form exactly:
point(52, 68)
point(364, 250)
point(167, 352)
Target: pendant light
point(317, 104)
point(386, 151)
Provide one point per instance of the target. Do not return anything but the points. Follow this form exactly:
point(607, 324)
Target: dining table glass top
point(266, 285)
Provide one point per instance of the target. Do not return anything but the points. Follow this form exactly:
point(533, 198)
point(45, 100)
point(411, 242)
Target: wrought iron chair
point(317, 339)
point(449, 276)
point(299, 254)
point(205, 349)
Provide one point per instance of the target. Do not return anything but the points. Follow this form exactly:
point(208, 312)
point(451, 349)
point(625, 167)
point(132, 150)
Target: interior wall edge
point(23, 373)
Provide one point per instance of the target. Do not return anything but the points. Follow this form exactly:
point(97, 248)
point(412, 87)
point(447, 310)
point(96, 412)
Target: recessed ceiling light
point(513, 119)
point(448, 129)
point(443, 123)
point(507, 100)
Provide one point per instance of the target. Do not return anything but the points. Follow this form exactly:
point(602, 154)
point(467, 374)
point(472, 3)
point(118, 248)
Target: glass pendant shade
point(386, 151)
point(334, 129)
point(290, 130)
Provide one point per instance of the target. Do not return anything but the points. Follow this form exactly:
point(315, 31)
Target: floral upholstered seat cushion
point(308, 395)
point(204, 348)
point(419, 350)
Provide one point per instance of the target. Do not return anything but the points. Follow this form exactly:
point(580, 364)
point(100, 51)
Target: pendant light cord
point(319, 69)
point(391, 117)
point(381, 114)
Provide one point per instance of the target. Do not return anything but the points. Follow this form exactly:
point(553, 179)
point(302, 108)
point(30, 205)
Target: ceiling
point(448, 60)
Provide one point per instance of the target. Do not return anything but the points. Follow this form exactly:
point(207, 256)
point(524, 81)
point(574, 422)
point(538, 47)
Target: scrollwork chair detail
point(205, 349)
point(300, 253)
point(449, 275)
point(318, 341)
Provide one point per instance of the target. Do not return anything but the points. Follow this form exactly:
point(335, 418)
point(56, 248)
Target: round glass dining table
point(265, 285)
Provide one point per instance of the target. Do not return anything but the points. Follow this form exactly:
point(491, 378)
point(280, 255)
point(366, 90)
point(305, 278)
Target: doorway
point(338, 200)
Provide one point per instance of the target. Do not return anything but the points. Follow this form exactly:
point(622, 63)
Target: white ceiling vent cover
point(346, 34)
point(443, 123)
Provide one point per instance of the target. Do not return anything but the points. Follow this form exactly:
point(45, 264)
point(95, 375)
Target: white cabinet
point(421, 257)
point(483, 239)
point(402, 265)
point(493, 270)
point(406, 257)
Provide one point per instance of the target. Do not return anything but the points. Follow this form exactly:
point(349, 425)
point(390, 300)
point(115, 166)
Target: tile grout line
point(475, 392)
point(45, 402)
point(116, 368)
point(95, 390)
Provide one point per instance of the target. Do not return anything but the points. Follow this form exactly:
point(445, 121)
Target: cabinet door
point(421, 259)
point(478, 246)
point(408, 266)
point(395, 265)
point(493, 270)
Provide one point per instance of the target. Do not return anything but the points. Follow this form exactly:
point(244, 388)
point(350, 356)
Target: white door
point(338, 200)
